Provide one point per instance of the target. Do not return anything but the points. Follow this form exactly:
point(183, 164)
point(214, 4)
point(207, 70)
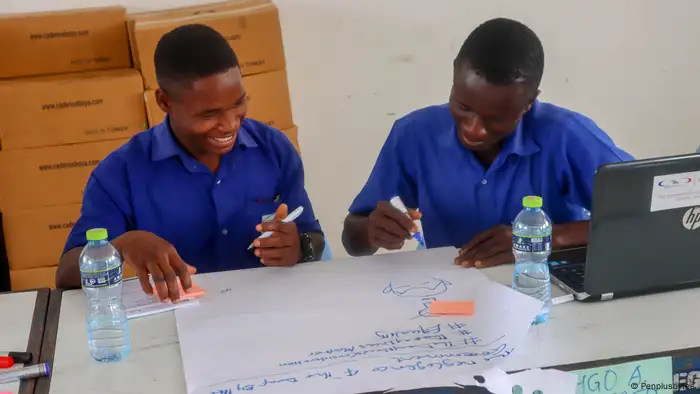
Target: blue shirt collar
point(165, 145)
point(521, 142)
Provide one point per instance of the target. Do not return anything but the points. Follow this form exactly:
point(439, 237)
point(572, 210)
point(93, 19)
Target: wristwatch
point(307, 248)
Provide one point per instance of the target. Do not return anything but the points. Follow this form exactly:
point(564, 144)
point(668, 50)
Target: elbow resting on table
point(356, 236)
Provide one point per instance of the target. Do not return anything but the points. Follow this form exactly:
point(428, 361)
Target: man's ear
point(164, 100)
point(532, 101)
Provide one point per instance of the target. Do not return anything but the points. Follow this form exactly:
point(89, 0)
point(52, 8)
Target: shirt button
point(224, 231)
point(483, 182)
point(218, 182)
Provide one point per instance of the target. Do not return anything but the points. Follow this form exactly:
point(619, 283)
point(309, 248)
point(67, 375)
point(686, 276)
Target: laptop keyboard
point(571, 274)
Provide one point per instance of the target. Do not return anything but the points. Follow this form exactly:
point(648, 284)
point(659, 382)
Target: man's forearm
point(356, 236)
point(569, 235)
point(68, 273)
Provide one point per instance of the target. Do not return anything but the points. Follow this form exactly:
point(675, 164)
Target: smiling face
point(205, 115)
point(486, 114)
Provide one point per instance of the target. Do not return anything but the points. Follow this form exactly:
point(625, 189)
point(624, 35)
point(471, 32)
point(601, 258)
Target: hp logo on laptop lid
point(691, 219)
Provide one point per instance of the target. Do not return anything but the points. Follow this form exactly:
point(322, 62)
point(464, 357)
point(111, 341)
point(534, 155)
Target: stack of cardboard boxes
point(69, 96)
point(67, 99)
point(253, 29)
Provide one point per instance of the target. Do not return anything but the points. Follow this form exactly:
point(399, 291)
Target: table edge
point(36, 332)
point(48, 344)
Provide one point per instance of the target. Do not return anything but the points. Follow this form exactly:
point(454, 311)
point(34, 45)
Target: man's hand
point(148, 254)
point(487, 249)
point(388, 228)
point(283, 247)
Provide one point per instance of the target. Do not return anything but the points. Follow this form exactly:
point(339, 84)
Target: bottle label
point(532, 244)
point(100, 279)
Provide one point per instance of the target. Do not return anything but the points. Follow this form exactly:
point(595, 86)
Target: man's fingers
point(158, 280)
point(269, 254)
point(281, 212)
point(170, 278)
point(274, 241)
point(191, 269)
point(497, 259)
point(479, 238)
point(490, 247)
point(415, 214)
point(181, 269)
point(386, 240)
point(397, 216)
point(285, 228)
point(144, 280)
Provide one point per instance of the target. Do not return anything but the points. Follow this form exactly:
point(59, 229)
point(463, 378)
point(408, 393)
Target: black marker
point(19, 357)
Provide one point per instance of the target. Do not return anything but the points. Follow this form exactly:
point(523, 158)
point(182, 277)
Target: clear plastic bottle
point(532, 244)
point(101, 272)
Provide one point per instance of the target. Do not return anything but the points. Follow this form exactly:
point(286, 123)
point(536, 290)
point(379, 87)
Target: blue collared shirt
point(152, 184)
point(553, 153)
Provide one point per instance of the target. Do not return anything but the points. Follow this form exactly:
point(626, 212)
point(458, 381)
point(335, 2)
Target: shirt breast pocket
point(263, 209)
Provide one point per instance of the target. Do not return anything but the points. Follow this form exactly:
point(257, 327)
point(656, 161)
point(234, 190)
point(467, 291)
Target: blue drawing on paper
point(428, 287)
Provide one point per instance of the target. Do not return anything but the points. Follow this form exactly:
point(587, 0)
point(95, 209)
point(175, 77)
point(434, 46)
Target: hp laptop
point(644, 232)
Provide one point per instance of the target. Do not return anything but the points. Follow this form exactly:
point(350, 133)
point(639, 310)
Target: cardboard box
point(42, 177)
point(33, 278)
point(293, 134)
point(71, 108)
point(253, 32)
point(63, 41)
point(268, 100)
point(180, 12)
point(50, 225)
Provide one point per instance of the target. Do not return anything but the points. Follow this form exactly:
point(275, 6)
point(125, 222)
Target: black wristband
point(307, 248)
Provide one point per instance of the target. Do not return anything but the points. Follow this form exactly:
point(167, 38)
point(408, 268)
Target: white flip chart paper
point(349, 326)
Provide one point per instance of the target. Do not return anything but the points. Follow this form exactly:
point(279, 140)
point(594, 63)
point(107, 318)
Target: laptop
point(644, 232)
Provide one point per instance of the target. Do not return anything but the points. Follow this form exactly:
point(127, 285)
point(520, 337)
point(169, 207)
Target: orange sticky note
point(465, 308)
point(195, 291)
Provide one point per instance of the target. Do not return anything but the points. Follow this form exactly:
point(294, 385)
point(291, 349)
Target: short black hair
point(191, 52)
point(504, 51)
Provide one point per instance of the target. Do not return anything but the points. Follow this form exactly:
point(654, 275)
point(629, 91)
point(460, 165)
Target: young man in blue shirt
point(467, 165)
point(193, 191)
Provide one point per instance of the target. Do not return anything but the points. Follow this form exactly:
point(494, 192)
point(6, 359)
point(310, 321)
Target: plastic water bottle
point(532, 244)
point(101, 272)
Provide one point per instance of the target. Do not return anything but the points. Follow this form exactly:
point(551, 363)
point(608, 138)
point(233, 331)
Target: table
point(22, 329)
point(577, 335)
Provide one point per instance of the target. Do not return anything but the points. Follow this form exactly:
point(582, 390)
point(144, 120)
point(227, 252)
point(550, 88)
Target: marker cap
point(6, 362)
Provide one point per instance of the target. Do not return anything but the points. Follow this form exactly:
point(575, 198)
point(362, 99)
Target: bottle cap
point(532, 202)
point(96, 234)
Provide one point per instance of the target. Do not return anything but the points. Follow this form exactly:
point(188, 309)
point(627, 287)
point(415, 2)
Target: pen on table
point(290, 218)
point(32, 371)
point(18, 357)
point(397, 203)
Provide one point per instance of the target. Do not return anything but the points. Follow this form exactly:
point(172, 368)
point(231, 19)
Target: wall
point(356, 66)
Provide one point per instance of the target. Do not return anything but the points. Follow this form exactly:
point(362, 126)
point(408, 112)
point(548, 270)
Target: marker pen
point(32, 371)
point(398, 204)
point(18, 357)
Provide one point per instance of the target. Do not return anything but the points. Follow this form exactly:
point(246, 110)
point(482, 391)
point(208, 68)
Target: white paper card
point(675, 191)
point(349, 326)
point(139, 304)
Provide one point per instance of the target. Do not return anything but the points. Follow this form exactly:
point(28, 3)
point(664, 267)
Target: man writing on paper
point(191, 193)
point(466, 165)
